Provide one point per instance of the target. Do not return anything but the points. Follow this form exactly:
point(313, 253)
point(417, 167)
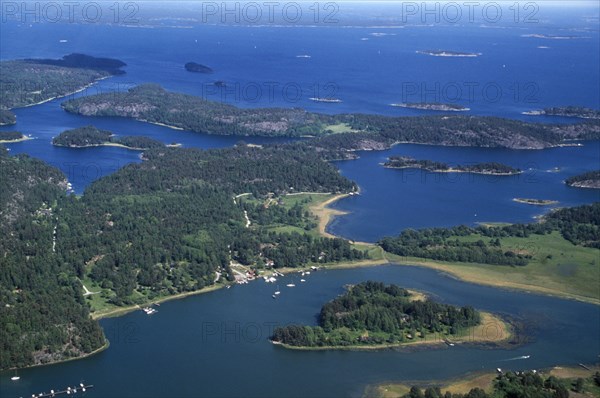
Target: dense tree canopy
point(375, 313)
point(168, 225)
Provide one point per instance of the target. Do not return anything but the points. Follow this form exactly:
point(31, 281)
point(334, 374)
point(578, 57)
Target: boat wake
point(517, 358)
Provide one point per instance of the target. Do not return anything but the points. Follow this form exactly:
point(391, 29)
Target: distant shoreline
point(448, 53)
point(66, 95)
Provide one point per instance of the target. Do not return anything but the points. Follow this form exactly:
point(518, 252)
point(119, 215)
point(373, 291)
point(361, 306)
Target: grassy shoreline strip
point(462, 385)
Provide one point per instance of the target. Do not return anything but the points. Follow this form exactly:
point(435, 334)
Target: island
point(492, 168)
point(197, 68)
point(590, 179)
point(83, 61)
point(432, 106)
point(35, 81)
point(151, 103)
point(7, 118)
point(535, 202)
point(550, 37)
point(567, 111)
point(560, 381)
point(327, 100)
point(448, 53)
point(90, 136)
point(6, 137)
point(375, 315)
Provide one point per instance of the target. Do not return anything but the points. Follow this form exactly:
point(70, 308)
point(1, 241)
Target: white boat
point(307, 272)
point(302, 280)
point(290, 285)
point(15, 378)
point(148, 310)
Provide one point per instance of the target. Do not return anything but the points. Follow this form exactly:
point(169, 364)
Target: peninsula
point(406, 162)
point(191, 232)
point(7, 137)
point(432, 106)
point(590, 179)
point(374, 315)
point(567, 111)
point(90, 136)
point(534, 256)
point(151, 103)
point(35, 81)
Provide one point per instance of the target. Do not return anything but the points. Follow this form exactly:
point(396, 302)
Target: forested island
point(197, 68)
point(33, 81)
point(432, 106)
point(12, 136)
point(374, 314)
point(559, 382)
point(189, 230)
point(492, 168)
point(151, 103)
point(590, 179)
point(90, 136)
point(7, 118)
point(567, 111)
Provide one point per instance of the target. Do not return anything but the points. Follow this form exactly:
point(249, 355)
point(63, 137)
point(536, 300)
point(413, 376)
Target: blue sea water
point(170, 353)
point(261, 68)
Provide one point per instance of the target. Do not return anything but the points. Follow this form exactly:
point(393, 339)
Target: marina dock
point(81, 388)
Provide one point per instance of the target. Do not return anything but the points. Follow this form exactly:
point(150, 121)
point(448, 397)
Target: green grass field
point(340, 128)
point(557, 267)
